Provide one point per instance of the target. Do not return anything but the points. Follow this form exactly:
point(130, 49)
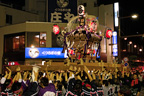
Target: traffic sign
point(125, 59)
point(126, 64)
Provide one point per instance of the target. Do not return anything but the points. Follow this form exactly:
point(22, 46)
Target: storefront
point(16, 38)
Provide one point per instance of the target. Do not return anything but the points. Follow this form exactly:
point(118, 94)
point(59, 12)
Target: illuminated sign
point(114, 41)
point(116, 13)
point(45, 53)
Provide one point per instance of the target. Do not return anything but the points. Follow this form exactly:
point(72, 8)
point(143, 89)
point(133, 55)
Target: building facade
point(16, 37)
point(10, 15)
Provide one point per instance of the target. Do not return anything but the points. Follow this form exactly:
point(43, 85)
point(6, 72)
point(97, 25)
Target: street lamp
point(134, 16)
point(135, 46)
point(140, 50)
point(130, 42)
point(125, 38)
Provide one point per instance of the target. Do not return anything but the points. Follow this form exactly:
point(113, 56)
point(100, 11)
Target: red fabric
point(87, 85)
point(134, 82)
point(83, 83)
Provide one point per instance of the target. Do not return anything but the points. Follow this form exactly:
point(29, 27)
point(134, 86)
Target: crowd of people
point(75, 81)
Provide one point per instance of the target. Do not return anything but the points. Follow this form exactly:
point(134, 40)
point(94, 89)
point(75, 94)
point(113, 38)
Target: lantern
point(56, 29)
point(109, 33)
point(81, 10)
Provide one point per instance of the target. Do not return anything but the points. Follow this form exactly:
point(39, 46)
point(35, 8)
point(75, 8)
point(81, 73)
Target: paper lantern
point(56, 29)
point(108, 33)
point(81, 10)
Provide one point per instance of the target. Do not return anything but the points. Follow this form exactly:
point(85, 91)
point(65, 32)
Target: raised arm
point(77, 76)
point(9, 75)
point(86, 71)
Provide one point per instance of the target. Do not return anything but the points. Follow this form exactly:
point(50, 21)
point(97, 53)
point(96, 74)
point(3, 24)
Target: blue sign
point(45, 53)
point(114, 41)
point(61, 11)
point(126, 64)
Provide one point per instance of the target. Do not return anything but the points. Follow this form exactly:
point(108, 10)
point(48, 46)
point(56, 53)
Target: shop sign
point(45, 53)
point(114, 41)
point(61, 11)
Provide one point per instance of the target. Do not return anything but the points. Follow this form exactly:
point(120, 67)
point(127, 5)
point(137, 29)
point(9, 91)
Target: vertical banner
point(114, 41)
point(61, 11)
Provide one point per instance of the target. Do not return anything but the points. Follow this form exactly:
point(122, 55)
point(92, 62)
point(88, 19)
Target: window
point(8, 19)
point(14, 42)
point(42, 39)
point(18, 43)
point(36, 39)
point(33, 39)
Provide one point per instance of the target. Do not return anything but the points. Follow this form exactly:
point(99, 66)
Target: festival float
point(81, 42)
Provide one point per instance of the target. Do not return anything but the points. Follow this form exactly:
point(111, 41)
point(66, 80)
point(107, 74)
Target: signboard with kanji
point(61, 11)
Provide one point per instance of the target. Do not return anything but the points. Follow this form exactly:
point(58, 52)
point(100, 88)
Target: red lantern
point(56, 29)
point(108, 33)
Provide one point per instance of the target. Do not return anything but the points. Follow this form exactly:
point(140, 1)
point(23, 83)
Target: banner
point(45, 53)
point(114, 41)
point(61, 11)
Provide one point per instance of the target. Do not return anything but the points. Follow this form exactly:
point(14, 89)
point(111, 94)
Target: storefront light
point(17, 37)
point(32, 46)
point(37, 36)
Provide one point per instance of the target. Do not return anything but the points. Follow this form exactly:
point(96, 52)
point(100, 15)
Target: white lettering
point(56, 17)
point(68, 16)
point(51, 52)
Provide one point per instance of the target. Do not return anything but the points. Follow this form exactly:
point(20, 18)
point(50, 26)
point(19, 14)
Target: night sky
point(132, 26)
point(129, 26)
